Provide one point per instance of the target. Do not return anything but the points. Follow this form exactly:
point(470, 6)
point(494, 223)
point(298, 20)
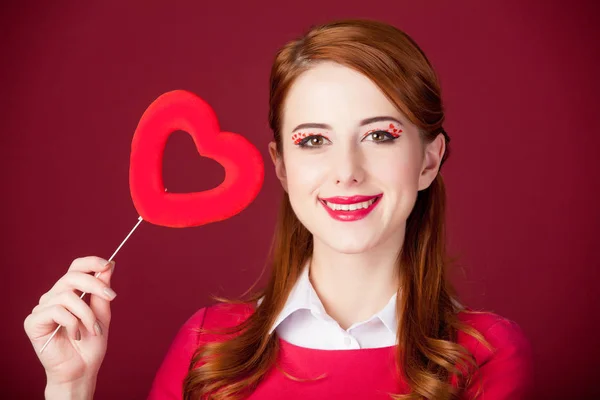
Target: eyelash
point(389, 135)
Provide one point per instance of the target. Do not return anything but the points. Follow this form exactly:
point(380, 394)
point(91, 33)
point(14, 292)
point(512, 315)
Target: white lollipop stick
point(96, 275)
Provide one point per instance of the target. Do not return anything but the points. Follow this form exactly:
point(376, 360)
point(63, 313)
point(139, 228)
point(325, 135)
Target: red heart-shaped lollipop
point(244, 169)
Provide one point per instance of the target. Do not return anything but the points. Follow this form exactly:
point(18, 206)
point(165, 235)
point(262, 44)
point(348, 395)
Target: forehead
point(334, 94)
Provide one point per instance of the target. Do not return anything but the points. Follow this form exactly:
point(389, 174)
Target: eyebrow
point(364, 122)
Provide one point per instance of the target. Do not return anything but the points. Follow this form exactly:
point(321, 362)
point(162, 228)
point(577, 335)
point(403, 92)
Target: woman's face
point(342, 138)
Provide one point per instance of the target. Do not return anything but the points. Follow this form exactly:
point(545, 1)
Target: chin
point(351, 249)
point(350, 245)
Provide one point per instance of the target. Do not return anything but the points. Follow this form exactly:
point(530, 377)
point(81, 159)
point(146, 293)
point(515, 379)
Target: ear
point(279, 164)
point(434, 152)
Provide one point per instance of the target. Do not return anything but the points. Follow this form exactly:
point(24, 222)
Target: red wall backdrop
point(520, 84)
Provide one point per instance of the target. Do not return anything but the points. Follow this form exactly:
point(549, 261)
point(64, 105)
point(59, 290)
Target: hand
point(75, 353)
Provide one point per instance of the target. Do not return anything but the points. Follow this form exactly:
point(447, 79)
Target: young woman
point(358, 305)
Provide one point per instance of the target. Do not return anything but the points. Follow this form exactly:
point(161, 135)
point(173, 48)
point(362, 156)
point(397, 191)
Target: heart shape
point(243, 164)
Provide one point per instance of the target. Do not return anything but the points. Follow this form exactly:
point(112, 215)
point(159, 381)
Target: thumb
point(101, 306)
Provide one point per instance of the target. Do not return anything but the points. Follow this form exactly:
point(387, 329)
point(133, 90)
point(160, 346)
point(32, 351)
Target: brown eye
point(379, 137)
point(314, 141)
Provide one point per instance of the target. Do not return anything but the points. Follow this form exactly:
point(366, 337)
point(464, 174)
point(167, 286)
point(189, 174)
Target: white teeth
point(350, 207)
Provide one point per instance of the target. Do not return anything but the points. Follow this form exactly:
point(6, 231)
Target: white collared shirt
point(305, 323)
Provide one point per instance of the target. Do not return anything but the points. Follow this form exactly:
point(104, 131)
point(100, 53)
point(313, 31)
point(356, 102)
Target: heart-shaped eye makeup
point(243, 164)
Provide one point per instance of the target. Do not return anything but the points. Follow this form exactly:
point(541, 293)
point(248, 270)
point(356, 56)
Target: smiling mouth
point(350, 207)
point(349, 204)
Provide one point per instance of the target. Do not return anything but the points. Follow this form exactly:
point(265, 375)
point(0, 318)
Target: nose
point(347, 166)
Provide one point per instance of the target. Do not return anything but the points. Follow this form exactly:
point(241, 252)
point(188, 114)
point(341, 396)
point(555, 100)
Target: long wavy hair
point(427, 353)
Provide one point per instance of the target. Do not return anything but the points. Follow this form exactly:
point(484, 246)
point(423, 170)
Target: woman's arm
point(168, 382)
point(508, 372)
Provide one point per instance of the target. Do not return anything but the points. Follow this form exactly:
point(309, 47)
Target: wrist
point(79, 390)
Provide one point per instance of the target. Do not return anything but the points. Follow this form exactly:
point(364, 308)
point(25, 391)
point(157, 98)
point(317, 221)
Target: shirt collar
point(304, 296)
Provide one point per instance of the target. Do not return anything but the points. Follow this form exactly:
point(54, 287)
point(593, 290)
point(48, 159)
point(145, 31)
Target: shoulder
point(507, 367)
point(219, 315)
point(225, 315)
point(216, 316)
point(171, 373)
point(499, 331)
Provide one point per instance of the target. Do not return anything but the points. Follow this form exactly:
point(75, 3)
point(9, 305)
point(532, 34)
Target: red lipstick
point(348, 200)
point(350, 215)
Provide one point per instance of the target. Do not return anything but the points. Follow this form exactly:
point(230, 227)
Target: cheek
point(303, 175)
point(395, 170)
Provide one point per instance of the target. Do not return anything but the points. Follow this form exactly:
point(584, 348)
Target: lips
point(349, 200)
point(350, 215)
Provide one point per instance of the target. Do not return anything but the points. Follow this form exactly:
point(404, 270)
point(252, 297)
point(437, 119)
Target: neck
point(353, 287)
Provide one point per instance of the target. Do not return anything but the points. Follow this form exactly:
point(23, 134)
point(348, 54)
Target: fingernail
point(111, 294)
point(112, 269)
point(97, 328)
point(78, 335)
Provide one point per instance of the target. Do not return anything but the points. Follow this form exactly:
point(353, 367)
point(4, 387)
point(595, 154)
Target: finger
point(82, 282)
point(81, 265)
point(77, 307)
point(101, 305)
point(89, 264)
point(46, 320)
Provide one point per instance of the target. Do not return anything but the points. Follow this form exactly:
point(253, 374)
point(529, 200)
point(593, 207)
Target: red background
point(520, 84)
